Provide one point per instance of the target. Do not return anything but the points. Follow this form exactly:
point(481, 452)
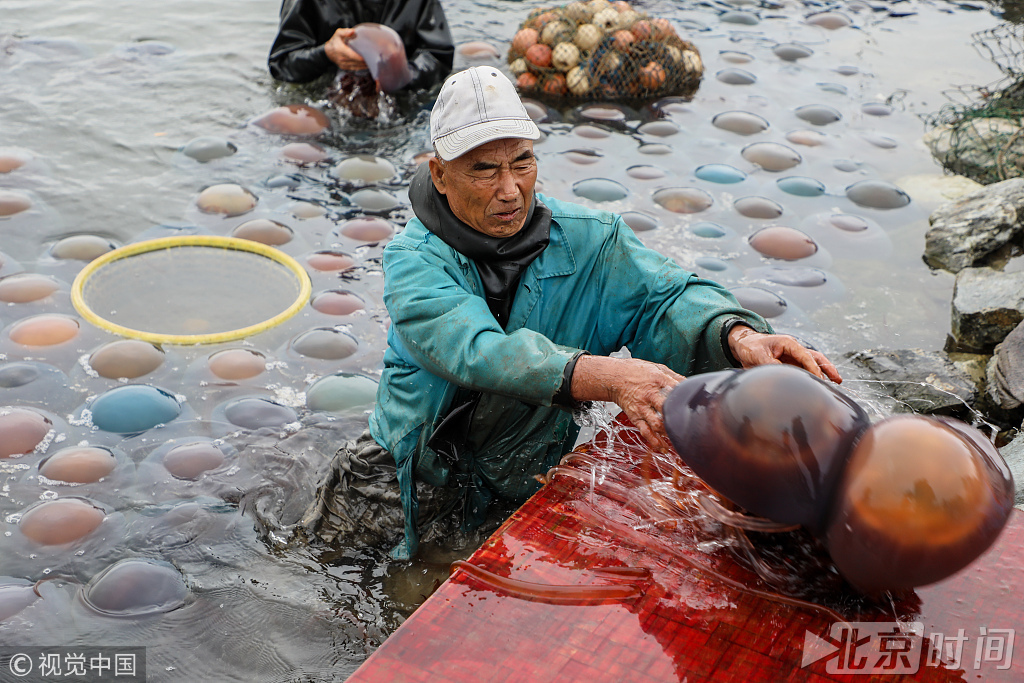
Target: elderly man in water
point(505, 307)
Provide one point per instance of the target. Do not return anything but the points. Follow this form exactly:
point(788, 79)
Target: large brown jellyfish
point(899, 504)
point(384, 53)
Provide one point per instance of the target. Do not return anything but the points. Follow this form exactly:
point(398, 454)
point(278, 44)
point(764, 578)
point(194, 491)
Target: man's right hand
point(341, 54)
point(637, 386)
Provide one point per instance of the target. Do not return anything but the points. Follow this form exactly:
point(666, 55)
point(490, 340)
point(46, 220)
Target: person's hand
point(752, 348)
point(341, 54)
point(636, 386)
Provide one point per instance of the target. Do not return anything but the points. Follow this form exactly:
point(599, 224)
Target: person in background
point(311, 43)
point(505, 307)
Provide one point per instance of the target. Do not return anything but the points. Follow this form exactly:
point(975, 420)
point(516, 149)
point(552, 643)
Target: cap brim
point(458, 142)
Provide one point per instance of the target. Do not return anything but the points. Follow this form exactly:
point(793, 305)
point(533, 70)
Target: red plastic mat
point(579, 586)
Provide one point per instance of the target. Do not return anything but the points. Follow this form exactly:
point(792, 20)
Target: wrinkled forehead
point(496, 153)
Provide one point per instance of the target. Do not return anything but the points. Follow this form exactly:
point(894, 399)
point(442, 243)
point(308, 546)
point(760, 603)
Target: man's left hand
point(341, 54)
point(752, 348)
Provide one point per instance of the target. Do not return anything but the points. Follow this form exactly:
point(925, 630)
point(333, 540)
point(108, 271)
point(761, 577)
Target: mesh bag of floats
point(981, 136)
point(602, 50)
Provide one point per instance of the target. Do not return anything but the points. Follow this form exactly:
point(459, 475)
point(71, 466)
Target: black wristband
point(726, 329)
point(563, 397)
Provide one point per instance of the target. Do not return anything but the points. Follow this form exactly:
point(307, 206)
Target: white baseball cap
point(474, 107)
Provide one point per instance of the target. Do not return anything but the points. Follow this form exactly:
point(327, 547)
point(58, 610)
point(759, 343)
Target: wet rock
point(919, 381)
point(932, 190)
point(1013, 453)
point(965, 231)
point(987, 305)
point(1005, 371)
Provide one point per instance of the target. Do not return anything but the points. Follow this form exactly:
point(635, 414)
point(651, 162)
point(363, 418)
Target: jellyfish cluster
point(901, 503)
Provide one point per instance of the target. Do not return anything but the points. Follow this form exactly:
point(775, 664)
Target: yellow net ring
point(302, 281)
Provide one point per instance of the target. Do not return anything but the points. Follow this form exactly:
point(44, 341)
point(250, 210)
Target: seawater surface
point(153, 494)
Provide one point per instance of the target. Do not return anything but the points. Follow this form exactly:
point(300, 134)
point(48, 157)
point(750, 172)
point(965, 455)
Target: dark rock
point(987, 305)
point(963, 232)
point(918, 381)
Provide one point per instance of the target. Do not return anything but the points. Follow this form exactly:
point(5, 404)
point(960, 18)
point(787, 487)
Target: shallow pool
point(158, 509)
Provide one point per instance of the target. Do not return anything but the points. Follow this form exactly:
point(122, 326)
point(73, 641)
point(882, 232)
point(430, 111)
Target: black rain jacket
point(298, 54)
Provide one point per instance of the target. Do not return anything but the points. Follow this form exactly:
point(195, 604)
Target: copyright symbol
point(21, 664)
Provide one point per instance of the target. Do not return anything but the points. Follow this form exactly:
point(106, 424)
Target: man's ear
point(437, 174)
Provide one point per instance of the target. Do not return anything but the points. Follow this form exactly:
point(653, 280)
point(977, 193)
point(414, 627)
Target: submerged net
point(603, 50)
point(979, 135)
point(191, 290)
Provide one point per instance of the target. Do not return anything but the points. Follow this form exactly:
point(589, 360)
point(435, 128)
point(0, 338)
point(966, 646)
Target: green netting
point(979, 134)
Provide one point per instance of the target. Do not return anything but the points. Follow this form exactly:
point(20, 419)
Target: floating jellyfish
point(341, 391)
point(757, 207)
point(15, 597)
point(709, 230)
point(12, 160)
point(21, 431)
point(253, 413)
point(325, 343)
point(306, 210)
point(206, 149)
point(190, 460)
point(583, 157)
point(604, 112)
point(600, 190)
point(23, 288)
point(477, 49)
point(384, 53)
point(735, 57)
point(902, 503)
point(237, 364)
point(81, 247)
point(818, 114)
point(126, 358)
point(654, 148)
point(591, 132)
point(14, 375)
point(639, 222)
point(60, 521)
point(740, 122)
point(783, 243)
point(829, 20)
point(807, 138)
point(226, 199)
point(736, 77)
point(328, 261)
point(740, 17)
point(771, 156)
point(370, 199)
point(12, 203)
point(294, 119)
point(759, 300)
point(78, 464)
point(365, 167)
point(45, 330)
point(660, 128)
point(337, 302)
point(134, 408)
point(791, 52)
point(882, 141)
point(645, 172)
point(877, 194)
point(136, 588)
point(720, 173)
point(264, 231)
point(367, 229)
point(683, 199)
point(304, 153)
point(920, 499)
point(801, 187)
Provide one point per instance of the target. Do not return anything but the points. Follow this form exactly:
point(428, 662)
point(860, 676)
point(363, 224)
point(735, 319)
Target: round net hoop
point(187, 260)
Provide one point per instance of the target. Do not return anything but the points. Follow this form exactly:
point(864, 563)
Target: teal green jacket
point(594, 288)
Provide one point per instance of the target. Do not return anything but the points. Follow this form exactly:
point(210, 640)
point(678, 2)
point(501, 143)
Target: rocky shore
point(979, 375)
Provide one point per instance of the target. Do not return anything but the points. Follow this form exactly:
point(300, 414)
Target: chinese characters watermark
point(903, 648)
point(74, 664)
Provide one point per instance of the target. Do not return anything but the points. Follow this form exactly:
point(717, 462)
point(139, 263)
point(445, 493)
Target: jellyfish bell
point(384, 53)
point(78, 464)
point(294, 119)
point(772, 439)
point(136, 588)
point(22, 431)
point(60, 521)
point(921, 498)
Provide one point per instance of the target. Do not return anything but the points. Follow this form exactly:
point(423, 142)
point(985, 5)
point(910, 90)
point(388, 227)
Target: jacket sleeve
point(427, 39)
point(298, 54)
point(663, 313)
point(448, 330)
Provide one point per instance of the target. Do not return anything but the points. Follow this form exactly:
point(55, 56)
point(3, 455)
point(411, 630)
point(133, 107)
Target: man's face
point(490, 187)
